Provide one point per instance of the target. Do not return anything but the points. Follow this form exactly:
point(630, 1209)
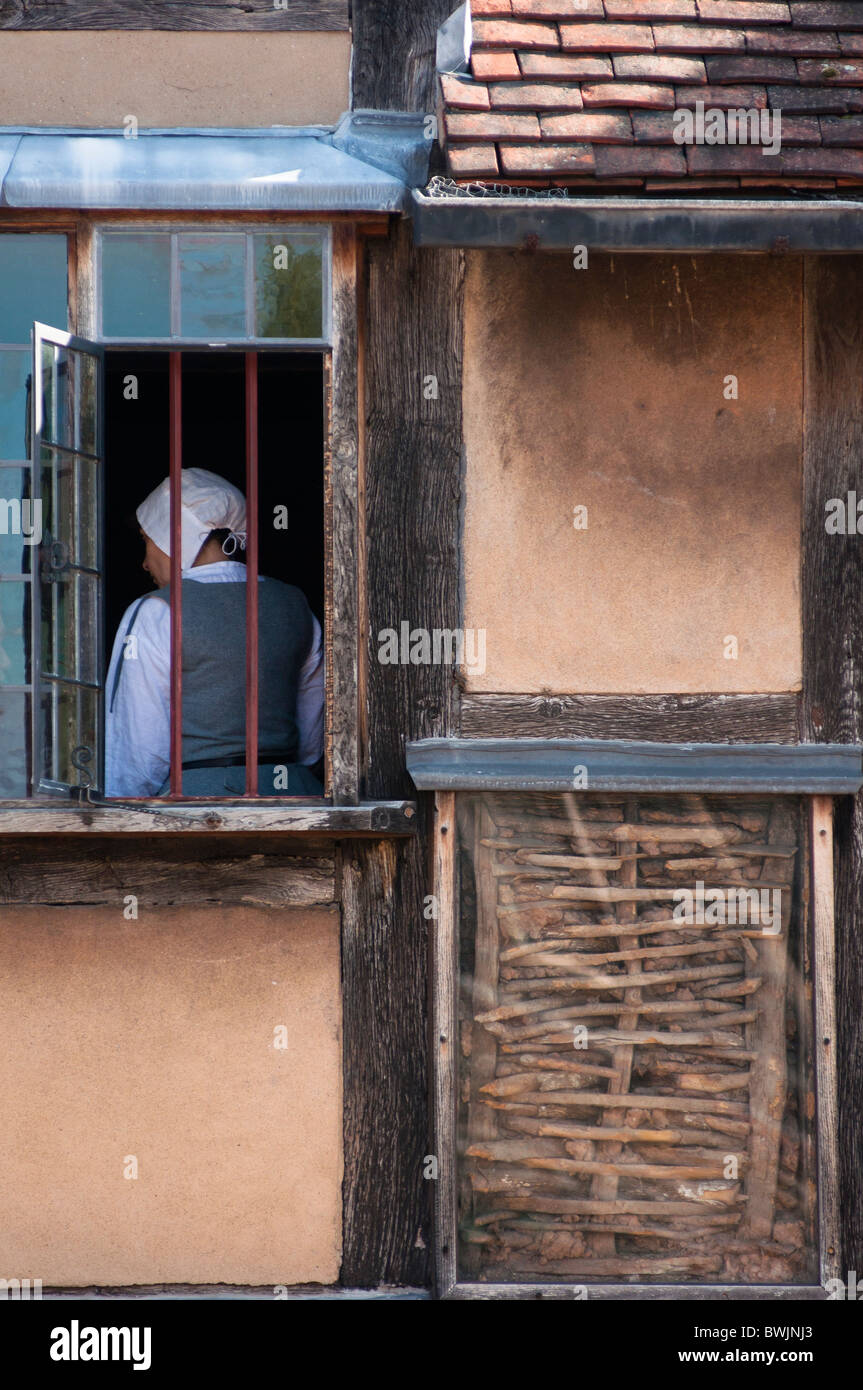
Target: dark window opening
point(290, 460)
point(291, 449)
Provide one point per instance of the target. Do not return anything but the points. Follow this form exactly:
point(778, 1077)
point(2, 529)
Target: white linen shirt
point(138, 728)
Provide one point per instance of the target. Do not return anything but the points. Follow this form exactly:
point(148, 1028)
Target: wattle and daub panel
point(636, 1098)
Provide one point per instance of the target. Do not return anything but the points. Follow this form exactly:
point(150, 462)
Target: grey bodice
point(214, 668)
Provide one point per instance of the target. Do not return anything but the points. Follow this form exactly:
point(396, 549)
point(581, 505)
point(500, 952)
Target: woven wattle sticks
point(579, 1147)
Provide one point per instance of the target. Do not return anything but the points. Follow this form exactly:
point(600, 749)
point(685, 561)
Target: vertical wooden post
point(825, 1036)
point(82, 286)
point(344, 629)
point(831, 705)
point(444, 1034)
point(411, 496)
point(413, 456)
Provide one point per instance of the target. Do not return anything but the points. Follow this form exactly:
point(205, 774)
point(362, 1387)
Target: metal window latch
point(55, 559)
point(82, 756)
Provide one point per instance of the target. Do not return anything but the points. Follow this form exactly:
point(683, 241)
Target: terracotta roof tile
point(558, 9)
point(659, 67)
point(698, 38)
point(474, 161)
point(607, 38)
point(584, 93)
point(495, 67)
point(464, 125)
point(537, 96)
point(751, 69)
point(600, 127)
point(650, 9)
point(638, 159)
point(547, 159)
point(514, 33)
point(845, 72)
point(744, 11)
point(801, 130)
point(824, 101)
point(731, 159)
point(460, 93)
point(565, 65)
point(806, 14)
point(635, 94)
point(841, 130)
point(798, 42)
point(653, 127)
point(721, 98)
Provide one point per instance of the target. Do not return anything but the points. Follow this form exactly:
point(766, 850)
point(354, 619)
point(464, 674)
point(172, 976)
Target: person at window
point(290, 668)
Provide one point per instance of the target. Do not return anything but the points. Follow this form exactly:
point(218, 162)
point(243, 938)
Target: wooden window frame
point(176, 342)
point(341, 809)
point(444, 954)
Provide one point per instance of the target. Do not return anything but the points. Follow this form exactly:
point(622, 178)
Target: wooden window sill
point(146, 817)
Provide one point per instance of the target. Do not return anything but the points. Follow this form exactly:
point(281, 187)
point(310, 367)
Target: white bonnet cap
point(208, 503)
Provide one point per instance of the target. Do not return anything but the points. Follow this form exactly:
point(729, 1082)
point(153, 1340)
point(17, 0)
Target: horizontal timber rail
point(652, 1293)
point(374, 818)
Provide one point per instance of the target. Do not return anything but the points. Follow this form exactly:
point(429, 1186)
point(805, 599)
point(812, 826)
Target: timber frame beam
point(832, 701)
point(376, 818)
point(653, 718)
point(199, 15)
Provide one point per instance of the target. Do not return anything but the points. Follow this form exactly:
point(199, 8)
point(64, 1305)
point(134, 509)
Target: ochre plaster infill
point(155, 1039)
point(93, 78)
point(605, 388)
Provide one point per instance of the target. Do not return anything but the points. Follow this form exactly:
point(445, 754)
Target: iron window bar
point(176, 466)
point(251, 574)
point(252, 643)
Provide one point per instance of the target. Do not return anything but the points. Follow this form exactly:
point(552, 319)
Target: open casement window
point(68, 573)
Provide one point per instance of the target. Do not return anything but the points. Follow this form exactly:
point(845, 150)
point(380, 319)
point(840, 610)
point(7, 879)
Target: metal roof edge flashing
point(780, 226)
point(269, 132)
point(395, 141)
point(365, 164)
point(454, 39)
point(502, 764)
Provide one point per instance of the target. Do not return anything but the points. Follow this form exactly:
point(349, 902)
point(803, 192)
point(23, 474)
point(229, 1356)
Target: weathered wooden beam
point(342, 524)
point(409, 472)
point(655, 718)
point(222, 15)
point(412, 450)
point(407, 34)
point(832, 701)
point(647, 1293)
point(823, 916)
point(370, 818)
point(174, 871)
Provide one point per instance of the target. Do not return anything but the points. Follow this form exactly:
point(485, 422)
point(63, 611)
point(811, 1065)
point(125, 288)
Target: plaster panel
point(154, 1039)
point(97, 78)
point(606, 388)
